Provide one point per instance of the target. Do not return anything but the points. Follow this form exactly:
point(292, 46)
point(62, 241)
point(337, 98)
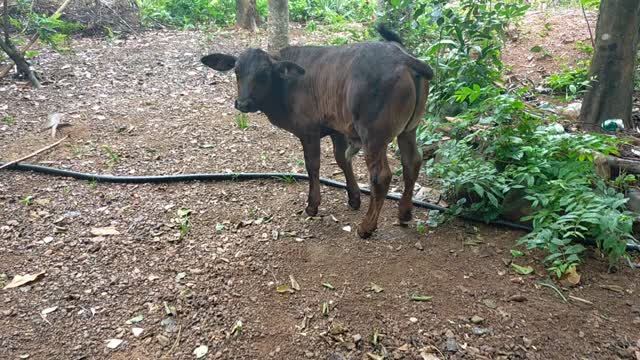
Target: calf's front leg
point(311, 148)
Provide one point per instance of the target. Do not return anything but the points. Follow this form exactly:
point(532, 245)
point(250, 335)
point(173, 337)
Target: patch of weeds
point(8, 120)
point(539, 49)
point(339, 40)
point(584, 47)
point(26, 201)
point(93, 184)
point(300, 162)
point(114, 158)
point(421, 227)
point(237, 328)
point(242, 121)
point(547, 29)
point(184, 222)
point(288, 179)
point(570, 82)
point(311, 27)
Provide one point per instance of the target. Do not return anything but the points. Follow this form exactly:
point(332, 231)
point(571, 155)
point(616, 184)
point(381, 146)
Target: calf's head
point(258, 74)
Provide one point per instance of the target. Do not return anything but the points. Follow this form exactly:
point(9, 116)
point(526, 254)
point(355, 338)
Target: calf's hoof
point(365, 231)
point(354, 203)
point(404, 217)
point(311, 210)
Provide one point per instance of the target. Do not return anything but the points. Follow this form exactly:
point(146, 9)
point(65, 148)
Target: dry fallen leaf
point(614, 288)
point(294, 284)
point(114, 343)
point(20, 280)
point(104, 231)
point(137, 331)
point(49, 310)
point(201, 351)
point(570, 278)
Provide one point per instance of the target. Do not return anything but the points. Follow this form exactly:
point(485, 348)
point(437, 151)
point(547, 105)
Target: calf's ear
point(288, 70)
point(220, 62)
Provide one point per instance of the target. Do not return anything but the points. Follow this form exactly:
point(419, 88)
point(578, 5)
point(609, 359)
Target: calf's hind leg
point(380, 178)
point(411, 162)
point(339, 151)
point(311, 148)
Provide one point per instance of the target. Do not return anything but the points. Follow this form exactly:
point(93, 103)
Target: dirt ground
point(557, 33)
point(146, 106)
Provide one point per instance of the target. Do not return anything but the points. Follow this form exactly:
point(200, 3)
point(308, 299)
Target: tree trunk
point(613, 64)
point(278, 25)
point(24, 70)
point(14, 54)
point(246, 14)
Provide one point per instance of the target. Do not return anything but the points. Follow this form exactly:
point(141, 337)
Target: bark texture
point(278, 25)
point(613, 64)
point(246, 14)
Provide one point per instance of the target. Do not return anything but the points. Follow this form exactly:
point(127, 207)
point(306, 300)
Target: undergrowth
point(493, 146)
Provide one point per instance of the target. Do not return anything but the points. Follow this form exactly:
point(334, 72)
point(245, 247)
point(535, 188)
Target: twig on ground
point(593, 42)
point(10, 163)
point(551, 286)
point(584, 301)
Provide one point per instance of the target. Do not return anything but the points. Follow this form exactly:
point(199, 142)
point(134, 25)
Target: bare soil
point(557, 32)
point(146, 106)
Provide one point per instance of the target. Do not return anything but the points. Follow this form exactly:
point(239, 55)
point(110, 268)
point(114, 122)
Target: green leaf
point(420, 298)
point(516, 253)
point(524, 270)
point(284, 288)
point(478, 189)
point(135, 320)
point(536, 49)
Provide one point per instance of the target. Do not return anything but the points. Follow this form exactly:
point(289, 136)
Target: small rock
point(163, 340)
point(413, 320)
point(477, 319)
point(356, 338)
point(419, 246)
point(518, 298)
point(491, 304)
point(308, 354)
point(452, 345)
point(169, 325)
point(337, 329)
point(479, 331)
point(527, 342)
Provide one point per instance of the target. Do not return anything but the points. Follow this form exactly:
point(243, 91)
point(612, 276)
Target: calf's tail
point(420, 67)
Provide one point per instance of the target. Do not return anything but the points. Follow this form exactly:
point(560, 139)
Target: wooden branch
point(606, 165)
point(593, 42)
point(10, 163)
point(33, 39)
point(6, 21)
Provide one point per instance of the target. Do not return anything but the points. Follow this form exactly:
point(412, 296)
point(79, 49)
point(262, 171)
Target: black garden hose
point(255, 176)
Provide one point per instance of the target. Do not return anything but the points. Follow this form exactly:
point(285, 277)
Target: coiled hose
point(255, 176)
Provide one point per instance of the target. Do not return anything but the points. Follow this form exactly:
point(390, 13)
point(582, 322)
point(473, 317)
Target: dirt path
point(146, 106)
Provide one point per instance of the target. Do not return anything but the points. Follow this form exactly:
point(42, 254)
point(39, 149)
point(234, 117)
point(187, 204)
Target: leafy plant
point(570, 82)
point(184, 222)
point(242, 121)
point(114, 158)
point(502, 148)
point(8, 120)
point(27, 200)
